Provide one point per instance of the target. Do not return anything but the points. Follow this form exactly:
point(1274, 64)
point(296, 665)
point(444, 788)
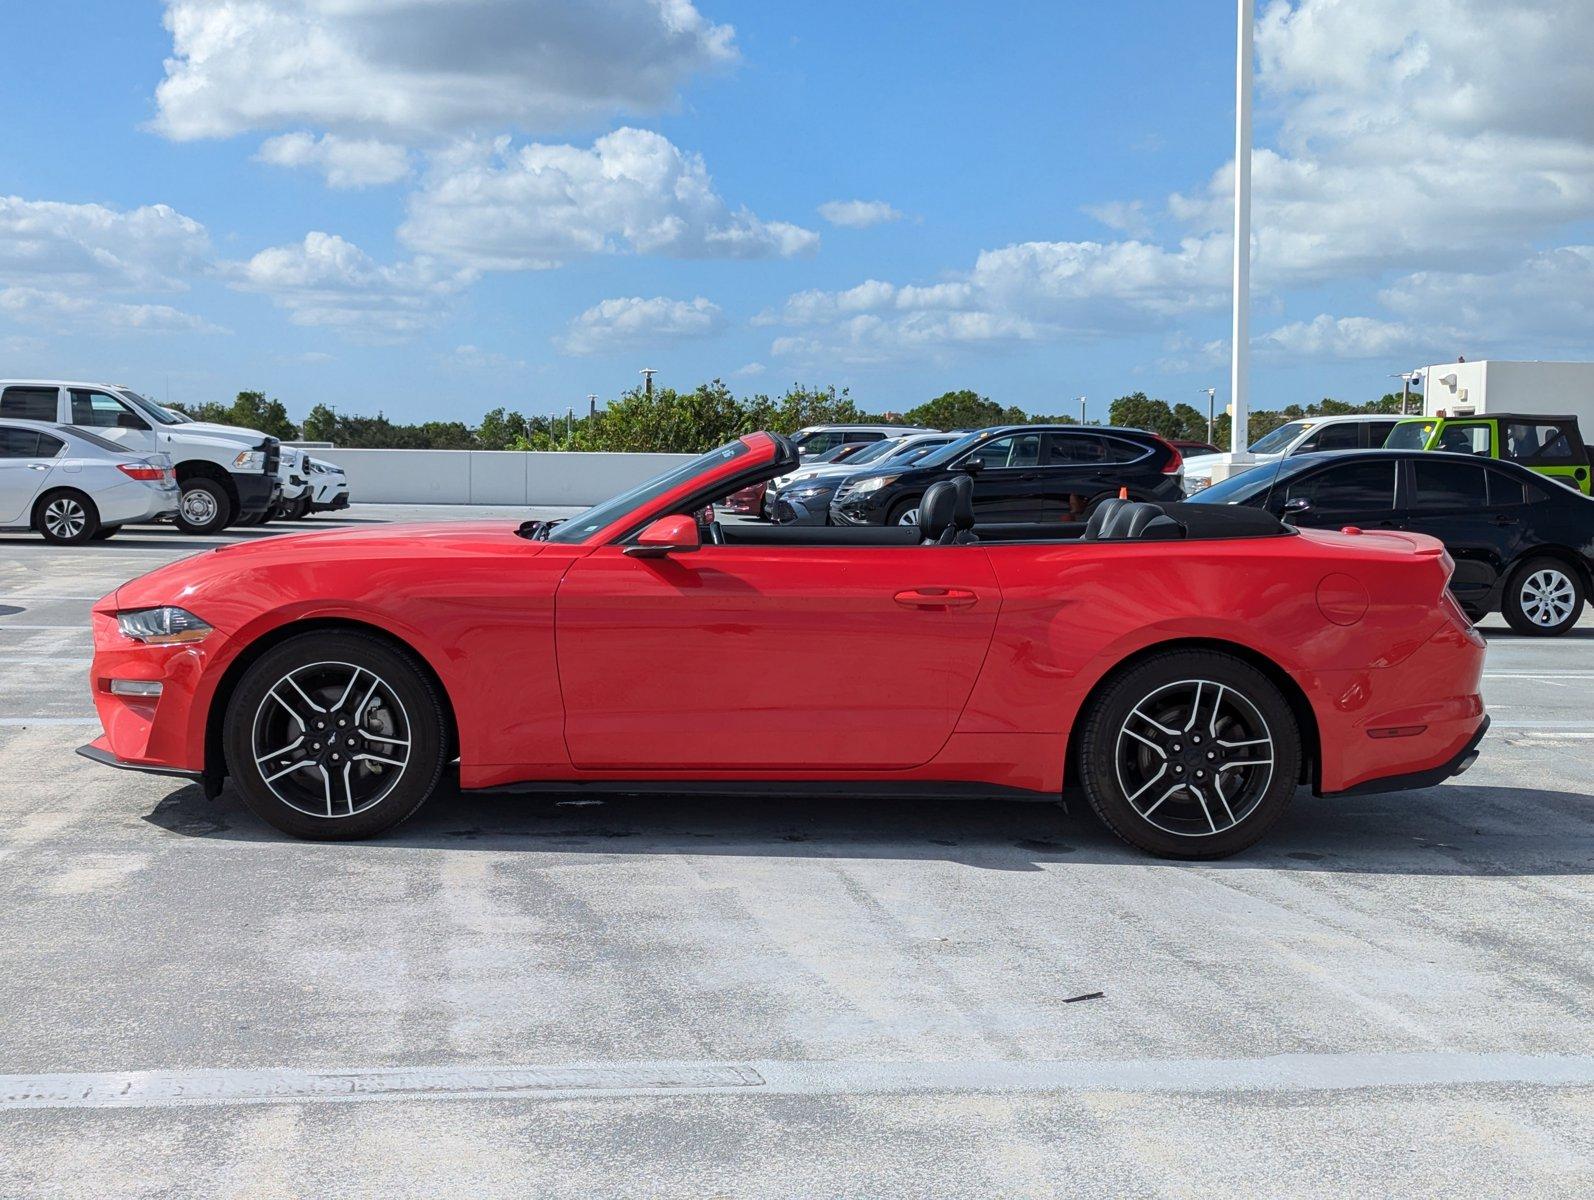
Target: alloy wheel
point(331, 739)
point(1194, 758)
point(1547, 597)
point(65, 518)
point(911, 517)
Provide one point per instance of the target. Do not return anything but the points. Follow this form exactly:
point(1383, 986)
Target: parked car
point(1186, 681)
point(750, 500)
point(803, 497)
point(226, 473)
point(1355, 432)
point(1194, 449)
point(1523, 546)
point(71, 486)
point(816, 439)
point(293, 478)
point(329, 487)
point(1552, 446)
point(1055, 473)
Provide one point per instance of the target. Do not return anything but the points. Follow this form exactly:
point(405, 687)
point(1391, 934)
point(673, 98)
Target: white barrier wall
point(492, 476)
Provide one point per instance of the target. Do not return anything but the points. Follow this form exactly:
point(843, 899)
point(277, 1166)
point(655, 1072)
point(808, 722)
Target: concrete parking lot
point(716, 997)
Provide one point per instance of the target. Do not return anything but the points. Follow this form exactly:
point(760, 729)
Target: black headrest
point(963, 513)
point(1098, 519)
point(1137, 520)
point(937, 510)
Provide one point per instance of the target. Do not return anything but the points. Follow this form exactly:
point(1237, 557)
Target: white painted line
point(19, 598)
point(5, 626)
point(22, 660)
point(1282, 1073)
point(1538, 674)
point(1547, 728)
point(29, 722)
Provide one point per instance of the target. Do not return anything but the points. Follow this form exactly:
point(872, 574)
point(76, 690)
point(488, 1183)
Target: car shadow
point(1449, 830)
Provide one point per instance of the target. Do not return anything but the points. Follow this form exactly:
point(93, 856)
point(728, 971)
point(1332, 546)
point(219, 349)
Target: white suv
point(816, 439)
point(226, 474)
point(1360, 431)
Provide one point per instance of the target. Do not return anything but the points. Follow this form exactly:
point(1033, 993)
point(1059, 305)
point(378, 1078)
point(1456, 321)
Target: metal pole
point(1212, 394)
point(647, 374)
point(1081, 410)
point(570, 427)
point(1240, 365)
point(592, 405)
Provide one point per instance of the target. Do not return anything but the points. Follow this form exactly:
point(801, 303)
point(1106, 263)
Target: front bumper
point(99, 751)
point(813, 509)
point(256, 493)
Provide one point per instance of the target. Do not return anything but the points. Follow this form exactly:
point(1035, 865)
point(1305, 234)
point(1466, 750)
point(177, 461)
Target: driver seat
point(937, 513)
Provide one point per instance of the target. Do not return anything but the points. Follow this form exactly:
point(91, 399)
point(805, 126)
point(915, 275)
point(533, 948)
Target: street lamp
point(647, 374)
point(1211, 399)
point(1407, 378)
point(1081, 400)
point(1240, 349)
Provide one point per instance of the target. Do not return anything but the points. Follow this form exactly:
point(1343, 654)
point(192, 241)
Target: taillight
point(1175, 462)
point(143, 472)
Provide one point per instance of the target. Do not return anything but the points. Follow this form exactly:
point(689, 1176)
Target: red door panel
point(771, 658)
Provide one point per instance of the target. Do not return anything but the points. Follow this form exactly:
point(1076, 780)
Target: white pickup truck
point(228, 475)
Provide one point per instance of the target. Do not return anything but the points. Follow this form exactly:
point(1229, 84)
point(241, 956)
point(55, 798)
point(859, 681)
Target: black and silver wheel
point(66, 518)
point(905, 513)
point(335, 736)
point(204, 507)
point(1190, 754)
point(1544, 598)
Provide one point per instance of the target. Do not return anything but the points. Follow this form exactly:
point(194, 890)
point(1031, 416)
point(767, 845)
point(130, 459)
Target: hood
point(237, 432)
point(219, 571)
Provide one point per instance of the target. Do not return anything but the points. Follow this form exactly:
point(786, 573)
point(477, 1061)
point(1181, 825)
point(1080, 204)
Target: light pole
point(592, 405)
point(570, 427)
point(647, 374)
point(1211, 401)
point(1081, 400)
point(1240, 351)
point(1407, 378)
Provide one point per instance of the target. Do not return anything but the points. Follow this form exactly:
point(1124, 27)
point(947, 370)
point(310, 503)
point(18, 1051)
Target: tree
point(320, 425)
point(666, 421)
point(500, 430)
point(1138, 411)
point(252, 410)
point(963, 409)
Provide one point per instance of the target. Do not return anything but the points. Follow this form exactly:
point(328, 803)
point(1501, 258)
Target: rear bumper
point(1432, 777)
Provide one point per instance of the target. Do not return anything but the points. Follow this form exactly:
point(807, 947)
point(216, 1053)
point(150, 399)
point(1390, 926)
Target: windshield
point(1248, 485)
point(1279, 440)
point(1409, 435)
point(584, 525)
point(161, 416)
point(945, 454)
point(875, 452)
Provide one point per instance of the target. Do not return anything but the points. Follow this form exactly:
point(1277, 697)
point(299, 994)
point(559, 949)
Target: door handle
point(1502, 520)
point(930, 597)
point(38, 466)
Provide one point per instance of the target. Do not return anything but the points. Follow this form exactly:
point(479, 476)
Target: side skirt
point(773, 788)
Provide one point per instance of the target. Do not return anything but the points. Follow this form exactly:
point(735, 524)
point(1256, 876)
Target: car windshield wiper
point(537, 531)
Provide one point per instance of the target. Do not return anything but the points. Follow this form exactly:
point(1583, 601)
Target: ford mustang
point(1185, 667)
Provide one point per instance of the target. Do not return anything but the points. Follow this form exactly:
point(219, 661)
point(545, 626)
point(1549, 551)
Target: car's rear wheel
point(205, 507)
point(66, 517)
point(1544, 598)
point(1190, 754)
point(335, 736)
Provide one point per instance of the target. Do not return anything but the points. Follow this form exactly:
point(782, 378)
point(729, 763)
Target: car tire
point(1543, 598)
point(66, 517)
point(353, 780)
point(107, 531)
point(904, 512)
point(205, 507)
point(1190, 754)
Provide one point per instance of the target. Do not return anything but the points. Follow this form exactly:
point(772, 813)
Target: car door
point(1360, 493)
point(770, 657)
point(1450, 500)
point(26, 459)
point(1011, 486)
point(112, 418)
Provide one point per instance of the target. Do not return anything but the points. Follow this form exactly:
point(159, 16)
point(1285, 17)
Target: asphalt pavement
point(713, 997)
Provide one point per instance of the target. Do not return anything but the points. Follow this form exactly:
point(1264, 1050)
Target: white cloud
point(58, 245)
point(1545, 304)
point(1328, 337)
point(1127, 217)
point(634, 321)
point(327, 282)
point(499, 207)
point(60, 312)
point(858, 214)
point(749, 370)
point(477, 360)
point(408, 69)
point(346, 162)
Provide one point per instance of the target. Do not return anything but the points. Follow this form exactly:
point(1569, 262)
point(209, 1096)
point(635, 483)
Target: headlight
point(874, 484)
point(809, 491)
point(1192, 486)
point(162, 626)
point(250, 460)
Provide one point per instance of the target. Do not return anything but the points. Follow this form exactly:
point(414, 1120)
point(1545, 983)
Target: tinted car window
point(1376, 432)
point(23, 443)
point(1449, 485)
point(1542, 443)
point(28, 404)
point(98, 410)
point(818, 443)
point(1505, 489)
point(1346, 436)
point(1014, 450)
point(1363, 485)
point(862, 436)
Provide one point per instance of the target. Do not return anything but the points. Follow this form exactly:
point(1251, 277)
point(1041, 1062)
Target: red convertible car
point(1186, 667)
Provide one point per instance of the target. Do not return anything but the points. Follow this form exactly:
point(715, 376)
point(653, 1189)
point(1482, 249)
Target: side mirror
point(127, 420)
point(667, 535)
point(972, 465)
point(1295, 506)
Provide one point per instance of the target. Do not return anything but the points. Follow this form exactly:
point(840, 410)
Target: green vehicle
point(1552, 446)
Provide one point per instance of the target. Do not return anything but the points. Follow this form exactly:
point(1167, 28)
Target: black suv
point(1021, 473)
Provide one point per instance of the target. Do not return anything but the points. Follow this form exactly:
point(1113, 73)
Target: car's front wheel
point(904, 512)
point(1190, 754)
point(1544, 598)
point(335, 736)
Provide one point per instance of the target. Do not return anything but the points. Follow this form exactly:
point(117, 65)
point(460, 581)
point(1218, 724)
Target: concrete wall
point(492, 476)
point(1500, 386)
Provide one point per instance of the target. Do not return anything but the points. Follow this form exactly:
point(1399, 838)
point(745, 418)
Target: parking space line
point(29, 722)
point(20, 598)
point(80, 627)
point(1282, 1073)
point(57, 660)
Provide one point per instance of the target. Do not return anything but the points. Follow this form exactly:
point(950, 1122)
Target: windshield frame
point(1301, 426)
point(161, 416)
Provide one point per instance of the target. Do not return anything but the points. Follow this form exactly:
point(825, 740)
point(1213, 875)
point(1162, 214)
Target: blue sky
point(436, 207)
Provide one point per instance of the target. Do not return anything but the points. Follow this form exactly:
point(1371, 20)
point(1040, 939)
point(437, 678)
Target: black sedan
point(1021, 473)
point(1523, 546)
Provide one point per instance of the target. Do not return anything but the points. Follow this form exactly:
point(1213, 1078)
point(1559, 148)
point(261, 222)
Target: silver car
point(73, 486)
